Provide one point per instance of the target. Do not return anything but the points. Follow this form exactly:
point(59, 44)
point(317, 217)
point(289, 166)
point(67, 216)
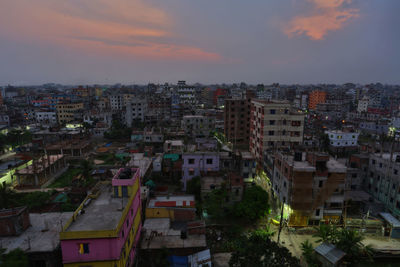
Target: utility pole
point(281, 221)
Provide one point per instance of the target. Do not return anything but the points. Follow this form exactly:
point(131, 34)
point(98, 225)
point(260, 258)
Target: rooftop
point(102, 213)
point(172, 201)
point(168, 238)
point(42, 236)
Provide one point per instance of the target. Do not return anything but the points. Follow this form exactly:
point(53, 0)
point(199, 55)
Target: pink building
point(105, 229)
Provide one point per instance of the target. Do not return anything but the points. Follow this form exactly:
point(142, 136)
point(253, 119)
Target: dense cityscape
point(200, 175)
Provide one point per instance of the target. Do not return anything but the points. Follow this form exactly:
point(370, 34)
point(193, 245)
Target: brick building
point(316, 97)
point(274, 125)
point(237, 121)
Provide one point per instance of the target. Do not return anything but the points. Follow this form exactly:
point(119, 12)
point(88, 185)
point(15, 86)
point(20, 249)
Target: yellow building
point(66, 112)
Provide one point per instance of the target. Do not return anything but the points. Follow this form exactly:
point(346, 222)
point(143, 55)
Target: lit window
point(83, 248)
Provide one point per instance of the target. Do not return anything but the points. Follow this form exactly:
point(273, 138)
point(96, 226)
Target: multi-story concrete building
point(186, 93)
point(68, 112)
point(237, 121)
point(273, 125)
point(363, 104)
point(105, 229)
point(196, 163)
point(198, 125)
point(340, 141)
point(46, 117)
point(384, 180)
point(116, 102)
point(136, 109)
point(311, 184)
point(316, 97)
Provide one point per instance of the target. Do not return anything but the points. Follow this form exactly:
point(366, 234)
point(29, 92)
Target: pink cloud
point(326, 16)
point(118, 27)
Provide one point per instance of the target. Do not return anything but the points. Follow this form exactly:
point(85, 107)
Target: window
point(317, 212)
point(270, 132)
point(209, 161)
point(395, 171)
point(271, 122)
point(124, 191)
point(320, 183)
point(284, 184)
point(272, 111)
point(84, 248)
point(190, 161)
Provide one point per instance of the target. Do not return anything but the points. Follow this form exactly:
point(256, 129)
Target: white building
point(363, 104)
point(46, 117)
point(136, 109)
point(340, 139)
point(116, 102)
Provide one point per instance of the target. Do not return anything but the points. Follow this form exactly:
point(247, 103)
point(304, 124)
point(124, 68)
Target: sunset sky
point(209, 41)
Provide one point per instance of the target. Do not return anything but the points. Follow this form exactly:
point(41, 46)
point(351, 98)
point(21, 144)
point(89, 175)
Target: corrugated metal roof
point(330, 252)
point(390, 219)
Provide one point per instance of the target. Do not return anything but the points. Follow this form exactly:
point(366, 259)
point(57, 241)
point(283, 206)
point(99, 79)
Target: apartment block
point(198, 125)
point(311, 184)
point(316, 97)
point(68, 112)
point(274, 125)
point(384, 180)
point(237, 121)
point(196, 163)
point(105, 229)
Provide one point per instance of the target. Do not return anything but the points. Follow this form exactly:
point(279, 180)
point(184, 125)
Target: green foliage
point(215, 203)
point(308, 254)
point(257, 249)
point(6, 196)
point(118, 131)
point(254, 204)
point(15, 138)
point(86, 168)
point(36, 199)
point(193, 187)
point(66, 178)
point(326, 233)
point(347, 240)
point(15, 258)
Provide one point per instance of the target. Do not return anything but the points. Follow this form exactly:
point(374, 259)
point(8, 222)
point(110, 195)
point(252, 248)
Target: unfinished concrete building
point(41, 170)
point(311, 185)
point(72, 148)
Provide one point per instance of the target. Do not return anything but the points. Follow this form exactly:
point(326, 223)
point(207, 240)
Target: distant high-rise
point(315, 98)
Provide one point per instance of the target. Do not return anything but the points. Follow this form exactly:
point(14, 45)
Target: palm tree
point(308, 254)
point(326, 233)
point(350, 242)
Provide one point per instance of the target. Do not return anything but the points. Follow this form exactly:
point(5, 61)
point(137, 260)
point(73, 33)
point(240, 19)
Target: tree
point(193, 187)
point(254, 204)
point(350, 242)
point(15, 258)
point(215, 203)
point(86, 169)
point(326, 233)
point(6, 196)
point(309, 255)
point(257, 249)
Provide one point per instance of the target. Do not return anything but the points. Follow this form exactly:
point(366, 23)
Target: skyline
point(295, 42)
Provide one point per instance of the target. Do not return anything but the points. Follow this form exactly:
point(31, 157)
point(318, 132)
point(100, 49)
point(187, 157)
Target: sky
point(207, 41)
